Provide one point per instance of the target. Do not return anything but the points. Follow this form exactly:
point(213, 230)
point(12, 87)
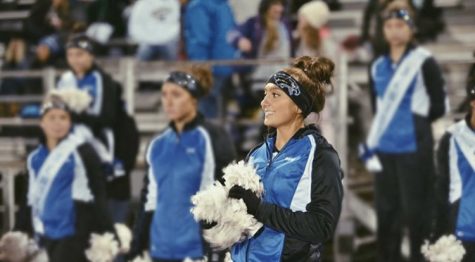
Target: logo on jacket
point(190, 150)
point(291, 159)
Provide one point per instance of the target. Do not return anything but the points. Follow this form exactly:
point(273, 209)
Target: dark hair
point(272, 31)
point(202, 74)
point(314, 75)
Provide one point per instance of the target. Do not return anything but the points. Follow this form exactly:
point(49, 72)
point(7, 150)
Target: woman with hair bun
point(300, 170)
point(185, 158)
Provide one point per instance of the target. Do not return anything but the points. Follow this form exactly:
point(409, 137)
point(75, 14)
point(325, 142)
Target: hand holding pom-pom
point(226, 219)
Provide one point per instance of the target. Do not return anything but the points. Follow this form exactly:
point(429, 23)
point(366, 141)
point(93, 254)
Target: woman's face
point(177, 102)
point(397, 32)
point(79, 60)
point(56, 123)
point(275, 11)
point(279, 109)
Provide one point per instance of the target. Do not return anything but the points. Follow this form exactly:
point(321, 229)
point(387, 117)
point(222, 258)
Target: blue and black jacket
point(456, 189)
point(180, 164)
point(107, 111)
point(424, 102)
point(76, 203)
point(302, 199)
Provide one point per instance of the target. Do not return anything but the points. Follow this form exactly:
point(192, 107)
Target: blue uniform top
point(302, 199)
point(424, 99)
point(180, 164)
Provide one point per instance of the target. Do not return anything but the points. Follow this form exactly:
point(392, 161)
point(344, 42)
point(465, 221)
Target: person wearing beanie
point(299, 169)
point(408, 94)
point(66, 193)
point(185, 158)
point(105, 117)
point(314, 39)
point(456, 179)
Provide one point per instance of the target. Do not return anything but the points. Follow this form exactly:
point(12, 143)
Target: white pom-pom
point(77, 100)
point(13, 246)
point(445, 249)
point(104, 248)
point(144, 258)
point(125, 237)
point(227, 257)
point(234, 224)
point(208, 203)
point(16, 246)
point(243, 174)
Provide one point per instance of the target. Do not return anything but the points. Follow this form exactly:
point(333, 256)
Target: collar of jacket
point(308, 129)
point(199, 119)
point(410, 46)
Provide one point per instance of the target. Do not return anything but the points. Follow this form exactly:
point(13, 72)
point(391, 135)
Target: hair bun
point(318, 69)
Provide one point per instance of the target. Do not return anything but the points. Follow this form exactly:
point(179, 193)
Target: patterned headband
point(294, 90)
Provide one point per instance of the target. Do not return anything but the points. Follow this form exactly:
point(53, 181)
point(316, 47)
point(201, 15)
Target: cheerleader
point(408, 95)
point(185, 158)
point(299, 169)
point(456, 181)
point(66, 188)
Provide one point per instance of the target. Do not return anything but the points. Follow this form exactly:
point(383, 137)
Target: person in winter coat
point(265, 36)
point(105, 118)
point(185, 158)
point(456, 188)
point(206, 27)
point(299, 169)
point(408, 94)
point(66, 199)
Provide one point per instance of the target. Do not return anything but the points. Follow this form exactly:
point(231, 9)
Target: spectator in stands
point(313, 36)
point(66, 199)
point(408, 94)
point(299, 169)
point(207, 25)
point(372, 26)
point(15, 58)
point(456, 188)
point(314, 39)
point(188, 156)
point(155, 26)
point(114, 130)
point(48, 26)
point(265, 36)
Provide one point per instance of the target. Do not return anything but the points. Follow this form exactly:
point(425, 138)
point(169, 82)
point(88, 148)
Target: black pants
point(404, 193)
point(70, 249)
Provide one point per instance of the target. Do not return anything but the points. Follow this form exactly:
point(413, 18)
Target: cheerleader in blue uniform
point(456, 181)
point(66, 188)
point(299, 169)
point(408, 92)
point(185, 158)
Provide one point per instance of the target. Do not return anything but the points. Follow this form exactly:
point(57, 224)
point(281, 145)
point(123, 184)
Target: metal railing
point(130, 72)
